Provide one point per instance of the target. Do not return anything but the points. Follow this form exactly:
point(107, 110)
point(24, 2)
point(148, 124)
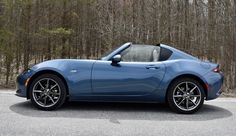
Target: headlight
point(23, 71)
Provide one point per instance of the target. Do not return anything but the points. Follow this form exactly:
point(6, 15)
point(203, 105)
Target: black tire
point(177, 96)
point(60, 88)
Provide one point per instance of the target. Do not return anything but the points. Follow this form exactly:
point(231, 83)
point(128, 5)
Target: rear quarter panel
point(175, 68)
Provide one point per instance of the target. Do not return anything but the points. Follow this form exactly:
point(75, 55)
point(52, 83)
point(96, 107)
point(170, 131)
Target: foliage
point(57, 31)
point(32, 31)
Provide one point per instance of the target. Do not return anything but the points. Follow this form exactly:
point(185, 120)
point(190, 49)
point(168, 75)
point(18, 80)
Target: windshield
point(108, 52)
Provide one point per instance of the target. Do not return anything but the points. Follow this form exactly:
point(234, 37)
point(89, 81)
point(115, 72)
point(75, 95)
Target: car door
point(135, 75)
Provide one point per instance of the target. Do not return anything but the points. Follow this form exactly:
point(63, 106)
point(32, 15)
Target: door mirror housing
point(116, 58)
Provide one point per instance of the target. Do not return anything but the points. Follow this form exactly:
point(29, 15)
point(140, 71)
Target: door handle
point(152, 67)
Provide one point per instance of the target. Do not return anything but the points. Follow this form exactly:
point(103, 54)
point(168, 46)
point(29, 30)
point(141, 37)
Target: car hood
point(61, 64)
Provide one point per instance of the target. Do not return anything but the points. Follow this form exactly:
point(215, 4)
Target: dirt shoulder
point(228, 94)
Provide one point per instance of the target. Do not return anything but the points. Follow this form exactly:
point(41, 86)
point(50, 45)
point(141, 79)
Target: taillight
point(217, 69)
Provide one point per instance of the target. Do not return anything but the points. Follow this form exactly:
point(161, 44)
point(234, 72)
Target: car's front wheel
point(185, 95)
point(47, 92)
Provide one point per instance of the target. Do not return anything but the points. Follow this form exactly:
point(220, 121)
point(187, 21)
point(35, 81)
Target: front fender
point(77, 73)
point(59, 66)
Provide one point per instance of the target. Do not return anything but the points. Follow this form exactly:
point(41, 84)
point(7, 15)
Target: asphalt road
point(19, 117)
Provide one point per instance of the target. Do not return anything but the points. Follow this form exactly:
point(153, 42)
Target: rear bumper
point(215, 83)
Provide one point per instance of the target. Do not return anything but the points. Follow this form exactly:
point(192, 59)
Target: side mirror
point(116, 58)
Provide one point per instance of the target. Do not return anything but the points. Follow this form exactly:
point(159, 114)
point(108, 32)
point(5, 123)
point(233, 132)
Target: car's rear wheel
point(185, 95)
point(47, 92)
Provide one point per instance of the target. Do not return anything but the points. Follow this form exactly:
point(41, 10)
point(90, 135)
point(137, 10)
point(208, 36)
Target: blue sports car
point(130, 73)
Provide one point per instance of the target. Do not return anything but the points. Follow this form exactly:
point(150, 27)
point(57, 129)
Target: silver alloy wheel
point(187, 96)
point(46, 92)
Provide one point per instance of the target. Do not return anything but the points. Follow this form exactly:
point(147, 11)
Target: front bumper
point(215, 83)
point(21, 88)
point(20, 93)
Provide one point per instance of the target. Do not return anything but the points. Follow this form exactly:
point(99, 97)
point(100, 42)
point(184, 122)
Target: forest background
point(32, 31)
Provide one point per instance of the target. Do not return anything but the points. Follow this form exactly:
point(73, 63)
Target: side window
point(165, 54)
point(141, 53)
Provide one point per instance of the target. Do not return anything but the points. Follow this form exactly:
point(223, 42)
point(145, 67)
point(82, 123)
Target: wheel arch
point(39, 73)
point(204, 85)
